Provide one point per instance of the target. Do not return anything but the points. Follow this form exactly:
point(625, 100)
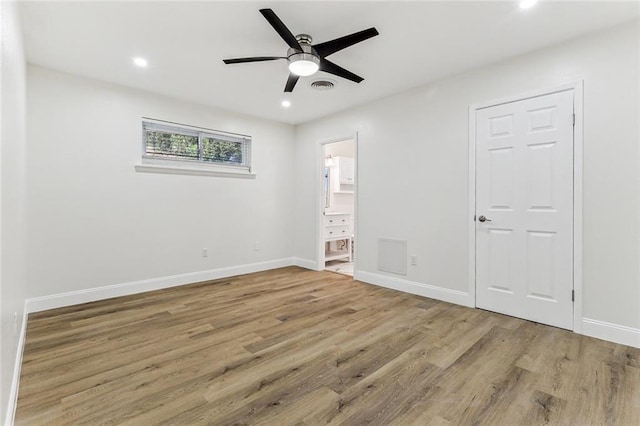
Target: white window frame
point(156, 164)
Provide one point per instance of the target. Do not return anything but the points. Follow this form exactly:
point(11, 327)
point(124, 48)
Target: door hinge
point(573, 295)
point(573, 123)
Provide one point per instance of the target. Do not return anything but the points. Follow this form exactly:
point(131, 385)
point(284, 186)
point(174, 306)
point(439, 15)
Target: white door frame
point(577, 87)
point(320, 198)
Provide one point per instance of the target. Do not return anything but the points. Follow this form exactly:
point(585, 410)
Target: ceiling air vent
point(323, 85)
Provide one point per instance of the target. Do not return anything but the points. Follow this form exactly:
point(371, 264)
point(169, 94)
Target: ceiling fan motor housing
point(306, 61)
point(307, 53)
point(304, 39)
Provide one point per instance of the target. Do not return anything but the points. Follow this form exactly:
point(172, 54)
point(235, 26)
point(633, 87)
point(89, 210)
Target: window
point(198, 146)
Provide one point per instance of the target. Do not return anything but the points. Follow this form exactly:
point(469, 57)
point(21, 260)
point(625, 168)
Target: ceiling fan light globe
point(303, 68)
point(303, 64)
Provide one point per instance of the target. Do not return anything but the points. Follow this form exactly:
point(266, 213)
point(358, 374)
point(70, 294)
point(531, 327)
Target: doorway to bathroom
point(337, 222)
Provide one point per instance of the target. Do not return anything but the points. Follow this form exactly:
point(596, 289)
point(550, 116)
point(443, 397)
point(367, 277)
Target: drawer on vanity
point(337, 219)
point(337, 231)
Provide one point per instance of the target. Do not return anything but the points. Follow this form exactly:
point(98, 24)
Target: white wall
point(13, 196)
point(94, 221)
point(413, 168)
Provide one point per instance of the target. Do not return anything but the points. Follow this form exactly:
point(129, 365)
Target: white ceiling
point(185, 43)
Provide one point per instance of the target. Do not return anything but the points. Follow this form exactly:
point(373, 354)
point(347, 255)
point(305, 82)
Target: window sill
point(193, 171)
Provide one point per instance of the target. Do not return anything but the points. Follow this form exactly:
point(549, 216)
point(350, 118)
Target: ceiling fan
point(305, 58)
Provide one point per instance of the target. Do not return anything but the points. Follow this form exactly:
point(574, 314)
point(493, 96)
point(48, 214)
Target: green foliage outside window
point(225, 151)
point(172, 145)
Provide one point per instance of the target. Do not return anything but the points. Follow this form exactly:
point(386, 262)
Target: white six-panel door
point(524, 209)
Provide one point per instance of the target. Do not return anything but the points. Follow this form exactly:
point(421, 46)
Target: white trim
point(421, 289)
point(574, 85)
point(12, 402)
point(306, 263)
point(192, 171)
point(472, 204)
point(577, 87)
point(355, 202)
point(611, 332)
point(60, 300)
point(578, 144)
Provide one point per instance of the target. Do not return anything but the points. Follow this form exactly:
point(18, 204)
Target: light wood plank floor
point(293, 346)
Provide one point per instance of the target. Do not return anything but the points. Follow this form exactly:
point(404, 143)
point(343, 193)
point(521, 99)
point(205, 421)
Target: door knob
point(484, 219)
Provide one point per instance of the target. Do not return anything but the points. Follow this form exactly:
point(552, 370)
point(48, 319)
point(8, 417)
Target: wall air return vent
point(392, 256)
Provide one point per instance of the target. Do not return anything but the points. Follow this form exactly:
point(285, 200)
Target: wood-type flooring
point(292, 346)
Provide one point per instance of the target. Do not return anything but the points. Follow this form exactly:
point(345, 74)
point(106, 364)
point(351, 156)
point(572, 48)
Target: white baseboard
point(426, 290)
point(612, 332)
point(306, 263)
point(17, 368)
point(60, 300)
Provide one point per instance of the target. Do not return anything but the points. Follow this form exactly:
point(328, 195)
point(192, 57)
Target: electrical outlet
point(205, 252)
point(414, 259)
point(256, 246)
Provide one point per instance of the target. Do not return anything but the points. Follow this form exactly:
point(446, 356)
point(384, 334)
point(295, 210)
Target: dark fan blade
point(254, 59)
point(331, 68)
point(280, 28)
point(291, 82)
point(329, 47)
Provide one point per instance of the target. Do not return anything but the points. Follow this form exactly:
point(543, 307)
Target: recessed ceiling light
point(286, 103)
point(140, 62)
point(526, 4)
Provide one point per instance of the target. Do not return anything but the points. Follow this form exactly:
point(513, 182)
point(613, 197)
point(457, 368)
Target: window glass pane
point(171, 145)
point(221, 151)
point(173, 141)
